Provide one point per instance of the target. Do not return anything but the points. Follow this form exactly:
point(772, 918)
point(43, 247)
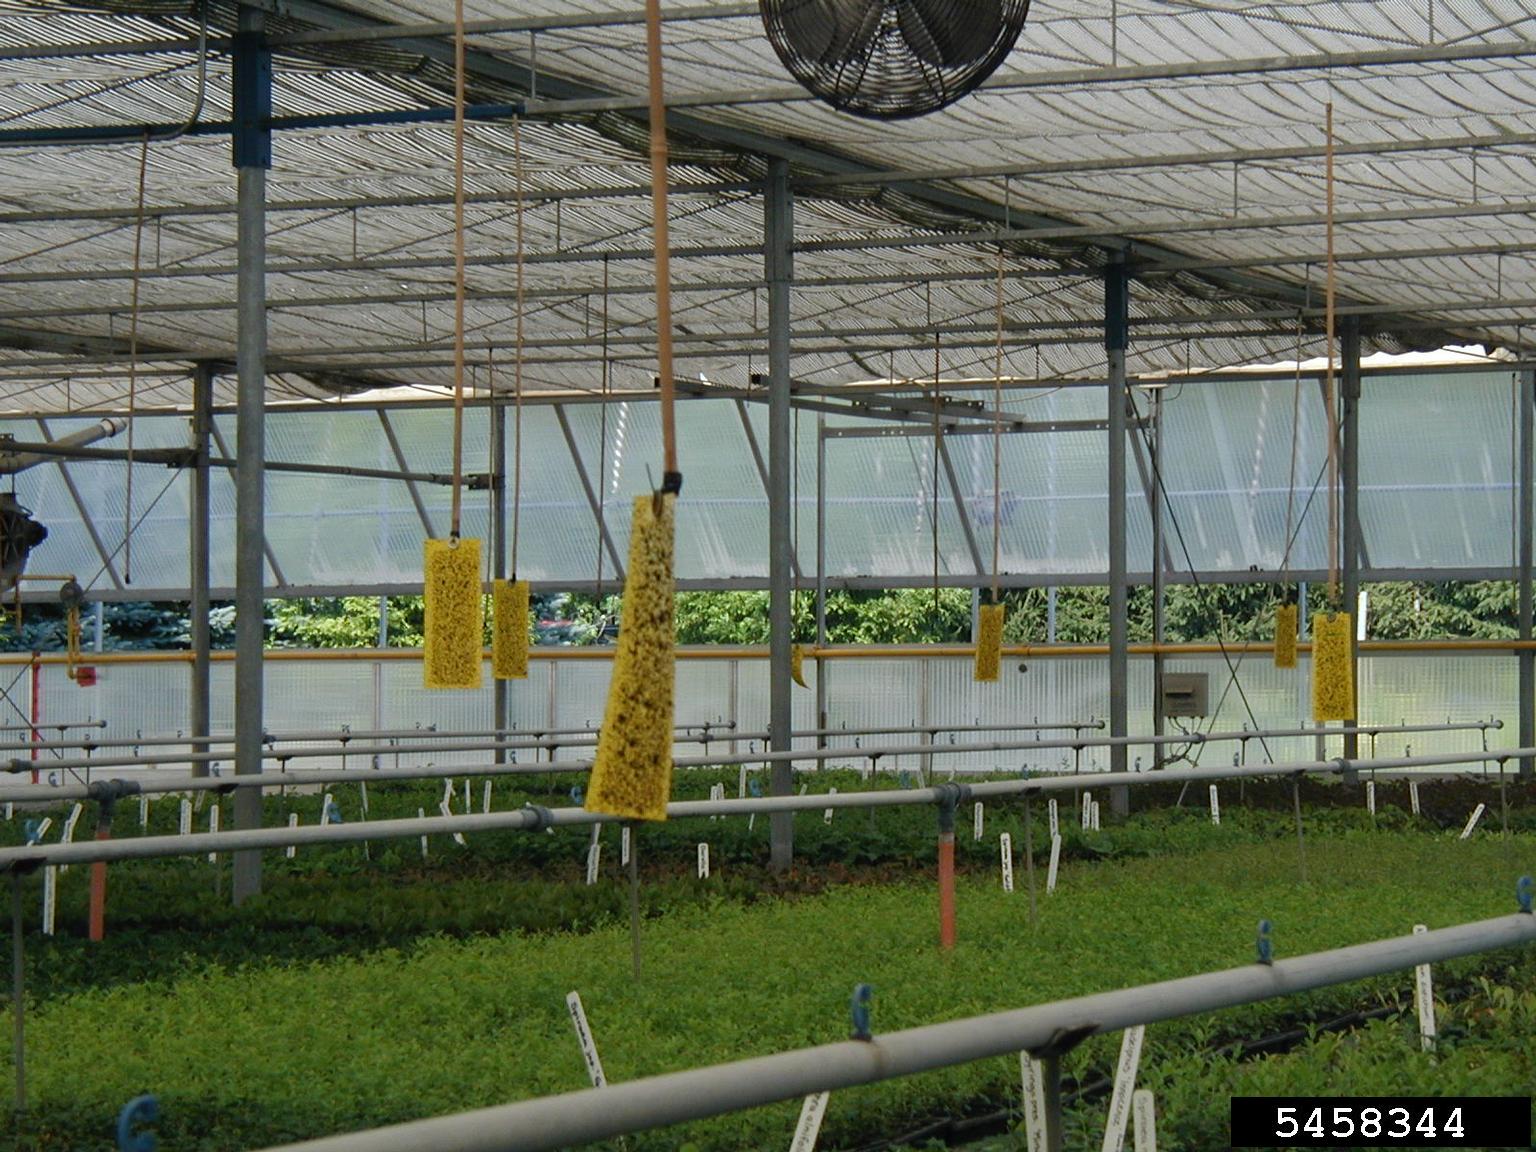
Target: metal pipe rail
point(533, 818)
point(577, 1118)
point(80, 791)
point(55, 727)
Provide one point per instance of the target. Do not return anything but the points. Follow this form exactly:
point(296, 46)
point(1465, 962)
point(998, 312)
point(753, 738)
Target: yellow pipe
point(760, 652)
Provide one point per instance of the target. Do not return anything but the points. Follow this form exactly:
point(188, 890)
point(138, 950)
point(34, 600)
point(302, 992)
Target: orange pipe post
point(949, 796)
point(99, 890)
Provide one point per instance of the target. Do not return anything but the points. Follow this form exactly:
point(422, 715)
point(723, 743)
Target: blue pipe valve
point(139, 1110)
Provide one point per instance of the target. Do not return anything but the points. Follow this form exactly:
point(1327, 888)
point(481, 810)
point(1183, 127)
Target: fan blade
point(831, 32)
point(950, 33)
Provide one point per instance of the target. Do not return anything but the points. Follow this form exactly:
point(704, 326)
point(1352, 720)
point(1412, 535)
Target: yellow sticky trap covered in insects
point(797, 665)
point(632, 772)
point(1333, 669)
point(452, 622)
point(989, 640)
point(509, 630)
point(1285, 636)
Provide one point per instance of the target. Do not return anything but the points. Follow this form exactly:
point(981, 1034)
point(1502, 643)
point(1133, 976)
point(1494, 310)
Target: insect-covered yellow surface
point(989, 640)
point(632, 772)
point(1333, 670)
point(451, 627)
point(797, 665)
point(509, 629)
point(1285, 636)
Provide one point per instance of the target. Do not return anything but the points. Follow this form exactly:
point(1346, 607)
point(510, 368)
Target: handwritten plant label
point(1005, 843)
point(485, 797)
point(213, 826)
point(1055, 827)
point(143, 812)
point(979, 820)
point(594, 852)
point(1477, 814)
point(1050, 875)
point(826, 817)
point(703, 861)
point(1144, 1120)
point(1370, 797)
point(809, 1127)
point(68, 835)
point(448, 811)
point(185, 826)
point(1215, 805)
point(584, 1038)
point(50, 899)
point(421, 814)
point(1086, 802)
point(1424, 999)
point(1125, 1084)
point(325, 810)
point(1034, 1103)
point(624, 847)
point(1093, 816)
point(293, 822)
point(1413, 796)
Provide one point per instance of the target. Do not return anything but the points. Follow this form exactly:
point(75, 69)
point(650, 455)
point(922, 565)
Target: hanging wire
point(458, 273)
point(997, 419)
point(938, 445)
point(660, 243)
point(602, 441)
point(517, 346)
point(1328, 390)
point(133, 361)
point(1290, 484)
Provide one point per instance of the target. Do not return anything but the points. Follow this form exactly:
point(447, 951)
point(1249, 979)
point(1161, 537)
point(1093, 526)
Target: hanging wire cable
point(997, 422)
point(602, 442)
point(1328, 389)
point(458, 272)
point(133, 360)
point(938, 446)
point(517, 346)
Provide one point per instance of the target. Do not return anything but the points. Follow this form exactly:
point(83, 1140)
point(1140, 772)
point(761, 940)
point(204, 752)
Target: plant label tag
point(826, 817)
point(185, 826)
point(1034, 1103)
point(362, 794)
point(584, 1038)
point(421, 814)
point(593, 853)
point(1086, 802)
point(1413, 796)
point(624, 847)
point(293, 822)
point(1477, 814)
point(1215, 805)
point(1144, 1120)
point(448, 811)
point(803, 787)
point(50, 899)
point(447, 793)
point(809, 1127)
point(1424, 1000)
point(1370, 797)
point(485, 797)
point(1005, 845)
point(703, 861)
point(42, 830)
point(1125, 1084)
point(325, 810)
point(741, 783)
point(467, 808)
point(1050, 875)
point(213, 826)
point(10, 809)
point(1055, 827)
point(979, 820)
point(1093, 816)
point(143, 812)
point(68, 834)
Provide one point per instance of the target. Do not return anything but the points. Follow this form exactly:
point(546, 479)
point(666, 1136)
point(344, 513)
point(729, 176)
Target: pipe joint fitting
point(542, 817)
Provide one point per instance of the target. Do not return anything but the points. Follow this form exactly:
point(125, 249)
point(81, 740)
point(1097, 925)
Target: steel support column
point(1526, 708)
point(1117, 302)
point(821, 575)
point(1159, 568)
point(202, 657)
point(252, 97)
point(499, 695)
point(1349, 515)
point(778, 235)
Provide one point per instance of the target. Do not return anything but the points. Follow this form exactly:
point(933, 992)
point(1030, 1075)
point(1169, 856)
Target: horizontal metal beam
point(613, 19)
point(1012, 427)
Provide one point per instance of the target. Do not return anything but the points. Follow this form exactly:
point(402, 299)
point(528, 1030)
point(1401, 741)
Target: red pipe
point(99, 888)
point(946, 890)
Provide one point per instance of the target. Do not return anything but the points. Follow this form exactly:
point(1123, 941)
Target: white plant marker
point(594, 852)
point(468, 808)
point(421, 814)
point(826, 817)
point(446, 810)
point(185, 827)
point(809, 1127)
point(741, 783)
point(143, 812)
point(325, 810)
point(1215, 805)
point(1424, 1000)
point(1093, 816)
point(68, 835)
point(213, 826)
point(1370, 797)
point(803, 787)
point(1005, 846)
point(50, 899)
point(447, 799)
point(979, 820)
point(1087, 802)
point(1125, 1084)
point(1413, 796)
point(10, 809)
point(42, 829)
point(1144, 1120)
point(362, 791)
point(1050, 875)
point(703, 861)
point(1477, 814)
point(1034, 1103)
point(584, 1038)
point(292, 849)
point(624, 847)
point(1055, 827)
point(485, 797)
